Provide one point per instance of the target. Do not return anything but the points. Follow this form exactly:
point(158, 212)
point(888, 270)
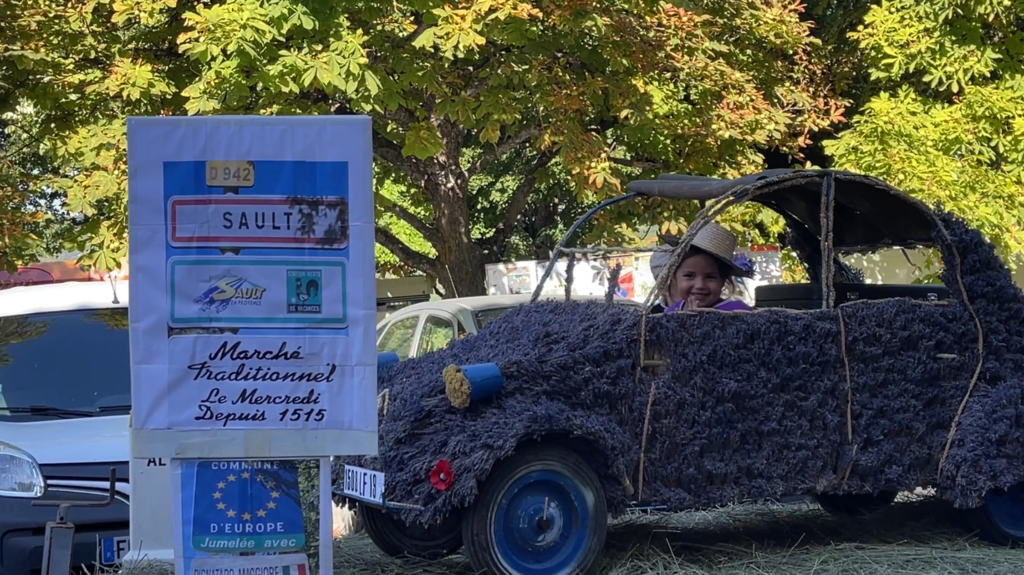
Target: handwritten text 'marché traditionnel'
point(207, 371)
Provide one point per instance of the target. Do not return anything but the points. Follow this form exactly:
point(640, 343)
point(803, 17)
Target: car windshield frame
point(65, 364)
point(478, 313)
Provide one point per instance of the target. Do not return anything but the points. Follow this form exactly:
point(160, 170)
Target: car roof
point(64, 296)
point(869, 213)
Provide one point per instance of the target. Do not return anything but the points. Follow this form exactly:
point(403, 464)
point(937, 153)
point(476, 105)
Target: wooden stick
point(981, 345)
point(849, 385)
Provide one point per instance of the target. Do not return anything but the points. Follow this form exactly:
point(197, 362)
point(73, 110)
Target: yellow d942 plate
point(230, 174)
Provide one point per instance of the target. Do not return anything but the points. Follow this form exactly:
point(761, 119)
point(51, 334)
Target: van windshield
point(64, 365)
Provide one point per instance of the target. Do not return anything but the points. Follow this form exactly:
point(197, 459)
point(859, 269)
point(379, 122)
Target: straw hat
point(717, 241)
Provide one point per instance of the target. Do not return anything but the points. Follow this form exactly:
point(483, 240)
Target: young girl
point(707, 267)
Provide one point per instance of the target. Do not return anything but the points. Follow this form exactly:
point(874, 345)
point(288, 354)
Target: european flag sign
point(247, 506)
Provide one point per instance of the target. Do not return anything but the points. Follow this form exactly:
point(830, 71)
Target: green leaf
point(422, 141)
point(426, 38)
point(372, 83)
point(491, 133)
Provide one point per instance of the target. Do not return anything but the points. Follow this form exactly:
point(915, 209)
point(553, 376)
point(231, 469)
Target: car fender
point(604, 445)
point(987, 450)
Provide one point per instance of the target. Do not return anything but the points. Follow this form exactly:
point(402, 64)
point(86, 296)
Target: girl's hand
point(691, 303)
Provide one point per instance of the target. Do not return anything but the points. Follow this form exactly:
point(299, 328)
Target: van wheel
point(398, 539)
point(1000, 520)
point(855, 504)
point(541, 512)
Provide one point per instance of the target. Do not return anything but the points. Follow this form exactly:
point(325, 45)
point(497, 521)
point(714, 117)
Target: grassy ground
point(920, 537)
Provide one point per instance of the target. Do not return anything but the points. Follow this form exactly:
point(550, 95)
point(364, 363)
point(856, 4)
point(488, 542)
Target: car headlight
point(20, 475)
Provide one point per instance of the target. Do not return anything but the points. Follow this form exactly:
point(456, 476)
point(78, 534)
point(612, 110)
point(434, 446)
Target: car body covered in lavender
point(517, 444)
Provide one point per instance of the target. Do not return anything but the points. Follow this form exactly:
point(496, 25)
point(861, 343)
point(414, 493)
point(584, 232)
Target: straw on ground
point(916, 536)
point(923, 537)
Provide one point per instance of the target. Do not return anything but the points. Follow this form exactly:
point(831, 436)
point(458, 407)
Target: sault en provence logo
point(228, 291)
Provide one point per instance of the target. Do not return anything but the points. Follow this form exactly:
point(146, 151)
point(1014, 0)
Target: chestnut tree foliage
point(489, 116)
point(30, 226)
point(19, 234)
point(946, 122)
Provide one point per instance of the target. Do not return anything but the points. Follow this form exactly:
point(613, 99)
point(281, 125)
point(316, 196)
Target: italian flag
point(299, 569)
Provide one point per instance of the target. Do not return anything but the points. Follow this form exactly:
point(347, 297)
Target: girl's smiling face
point(699, 277)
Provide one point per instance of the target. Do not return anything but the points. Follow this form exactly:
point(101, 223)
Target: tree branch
point(389, 151)
point(517, 202)
point(401, 116)
point(474, 89)
point(429, 232)
point(404, 253)
point(642, 164)
point(421, 27)
point(384, 148)
point(505, 146)
point(604, 125)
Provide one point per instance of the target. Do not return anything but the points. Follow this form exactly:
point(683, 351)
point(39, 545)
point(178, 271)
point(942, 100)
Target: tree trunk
point(466, 277)
point(459, 266)
point(544, 217)
point(460, 262)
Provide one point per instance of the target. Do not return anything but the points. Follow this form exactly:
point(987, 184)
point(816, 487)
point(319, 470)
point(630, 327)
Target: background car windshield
point(486, 316)
point(76, 360)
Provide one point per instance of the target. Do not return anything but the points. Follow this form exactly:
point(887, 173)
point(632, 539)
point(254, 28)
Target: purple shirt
point(727, 305)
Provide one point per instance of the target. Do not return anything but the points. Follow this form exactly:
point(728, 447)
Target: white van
point(65, 396)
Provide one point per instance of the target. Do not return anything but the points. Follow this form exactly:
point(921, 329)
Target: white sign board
point(253, 299)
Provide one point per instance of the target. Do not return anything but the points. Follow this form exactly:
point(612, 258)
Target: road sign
point(286, 255)
point(252, 327)
point(250, 221)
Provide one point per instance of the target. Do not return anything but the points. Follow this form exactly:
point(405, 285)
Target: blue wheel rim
point(527, 541)
point(1007, 509)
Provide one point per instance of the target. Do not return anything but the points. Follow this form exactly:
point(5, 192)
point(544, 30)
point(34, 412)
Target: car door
point(437, 332)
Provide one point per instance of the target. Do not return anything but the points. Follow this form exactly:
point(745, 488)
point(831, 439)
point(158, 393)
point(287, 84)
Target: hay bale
point(750, 406)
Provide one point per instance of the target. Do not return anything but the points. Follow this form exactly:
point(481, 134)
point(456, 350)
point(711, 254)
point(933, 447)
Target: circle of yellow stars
point(231, 513)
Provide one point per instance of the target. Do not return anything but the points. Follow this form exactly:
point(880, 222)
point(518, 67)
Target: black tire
point(398, 539)
point(1000, 520)
point(561, 511)
point(855, 504)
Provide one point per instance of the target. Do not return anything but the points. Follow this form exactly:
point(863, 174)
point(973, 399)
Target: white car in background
point(65, 396)
point(429, 326)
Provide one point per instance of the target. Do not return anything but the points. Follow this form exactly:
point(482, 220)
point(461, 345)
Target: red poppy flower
point(441, 476)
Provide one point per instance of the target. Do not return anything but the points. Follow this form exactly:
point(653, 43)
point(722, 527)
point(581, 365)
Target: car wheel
point(1000, 520)
point(541, 512)
point(399, 539)
point(855, 504)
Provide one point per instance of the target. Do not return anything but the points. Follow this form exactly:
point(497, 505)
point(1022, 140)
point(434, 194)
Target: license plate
point(364, 484)
point(230, 174)
point(113, 549)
